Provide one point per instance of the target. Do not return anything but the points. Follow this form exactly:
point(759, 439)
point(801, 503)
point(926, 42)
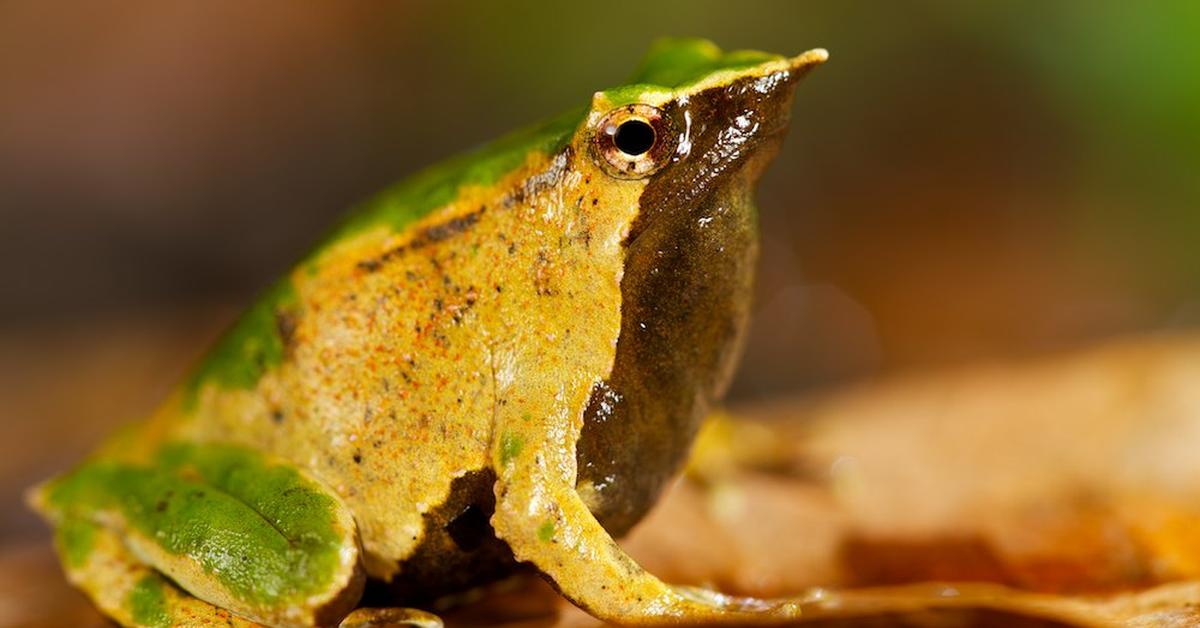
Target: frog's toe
point(229, 526)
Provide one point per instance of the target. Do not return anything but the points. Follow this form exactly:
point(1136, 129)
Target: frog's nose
point(806, 61)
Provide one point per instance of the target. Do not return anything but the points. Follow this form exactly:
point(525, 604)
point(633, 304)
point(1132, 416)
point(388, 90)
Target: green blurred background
point(963, 181)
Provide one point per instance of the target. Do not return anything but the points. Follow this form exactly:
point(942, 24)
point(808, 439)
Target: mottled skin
point(501, 360)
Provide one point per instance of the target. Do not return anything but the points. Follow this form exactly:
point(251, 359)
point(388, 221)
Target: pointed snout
point(805, 61)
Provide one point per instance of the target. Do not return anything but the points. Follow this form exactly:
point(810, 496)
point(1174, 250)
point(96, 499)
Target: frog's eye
point(634, 141)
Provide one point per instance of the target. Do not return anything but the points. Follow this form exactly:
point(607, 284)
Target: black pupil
point(634, 137)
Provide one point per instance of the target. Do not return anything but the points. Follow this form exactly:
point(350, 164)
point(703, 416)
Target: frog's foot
point(232, 528)
point(546, 523)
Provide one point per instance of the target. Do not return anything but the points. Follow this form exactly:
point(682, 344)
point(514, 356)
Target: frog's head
point(694, 119)
point(696, 128)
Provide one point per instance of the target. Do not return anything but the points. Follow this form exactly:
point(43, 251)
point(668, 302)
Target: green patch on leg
point(76, 538)
point(545, 531)
point(296, 507)
point(261, 530)
point(148, 603)
point(510, 447)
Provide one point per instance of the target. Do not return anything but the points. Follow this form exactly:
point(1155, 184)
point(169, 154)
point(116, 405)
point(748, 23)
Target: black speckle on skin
point(285, 325)
point(358, 457)
point(430, 235)
point(446, 230)
point(277, 416)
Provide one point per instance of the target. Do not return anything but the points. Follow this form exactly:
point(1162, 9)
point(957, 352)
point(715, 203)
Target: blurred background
point(963, 181)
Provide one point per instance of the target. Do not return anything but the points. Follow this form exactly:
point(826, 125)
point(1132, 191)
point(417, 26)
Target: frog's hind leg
point(134, 594)
point(229, 526)
point(126, 589)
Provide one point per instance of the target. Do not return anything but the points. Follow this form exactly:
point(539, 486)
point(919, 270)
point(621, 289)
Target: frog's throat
point(686, 290)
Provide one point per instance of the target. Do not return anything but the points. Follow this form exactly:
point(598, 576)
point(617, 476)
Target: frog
point(496, 365)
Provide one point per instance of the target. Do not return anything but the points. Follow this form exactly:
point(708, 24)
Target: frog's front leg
point(545, 522)
point(241, 532)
